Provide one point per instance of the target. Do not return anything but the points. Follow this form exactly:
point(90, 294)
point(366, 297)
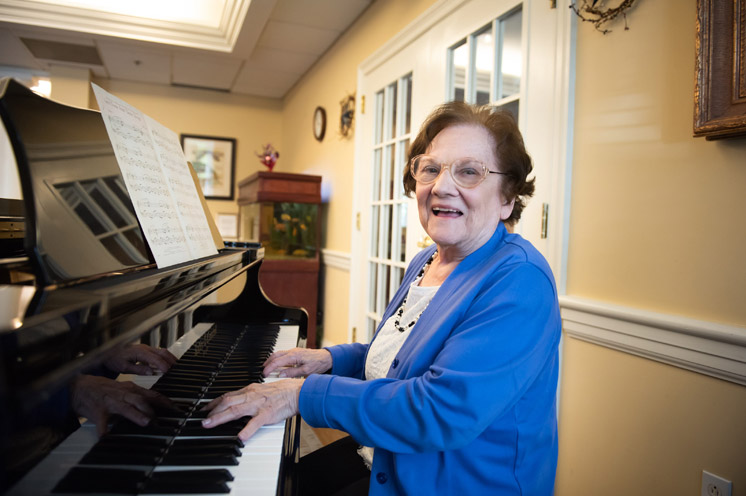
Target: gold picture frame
point(720, 76)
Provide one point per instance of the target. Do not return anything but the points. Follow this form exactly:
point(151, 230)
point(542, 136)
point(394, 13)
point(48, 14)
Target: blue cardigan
point(468, 406)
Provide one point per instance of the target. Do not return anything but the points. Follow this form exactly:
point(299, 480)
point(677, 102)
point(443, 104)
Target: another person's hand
point(266, 403)
point(300, 362)
point(96, 398)
point(139, 359)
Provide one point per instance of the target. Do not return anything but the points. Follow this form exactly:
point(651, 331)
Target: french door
point(442, 56)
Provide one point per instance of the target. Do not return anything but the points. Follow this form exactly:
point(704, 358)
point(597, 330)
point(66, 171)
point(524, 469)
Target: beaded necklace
point(399, 312)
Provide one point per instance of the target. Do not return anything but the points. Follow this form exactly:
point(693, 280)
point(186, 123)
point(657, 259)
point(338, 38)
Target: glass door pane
point(388, 207)
point(509, 62)
point(484, 61)
point(485, 68)
point(458, 61)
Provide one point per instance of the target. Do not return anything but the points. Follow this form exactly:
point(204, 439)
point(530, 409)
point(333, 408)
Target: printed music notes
point(160, 185)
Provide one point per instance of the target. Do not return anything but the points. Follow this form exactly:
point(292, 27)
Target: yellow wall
point(326, 84)
point(71, 85)
point(632, 426)
point(657, 215)
point(656, 224)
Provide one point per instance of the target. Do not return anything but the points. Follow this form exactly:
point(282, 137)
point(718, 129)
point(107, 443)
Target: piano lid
point(80, 221)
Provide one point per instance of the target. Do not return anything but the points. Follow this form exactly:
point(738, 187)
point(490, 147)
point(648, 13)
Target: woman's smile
point(446, 212)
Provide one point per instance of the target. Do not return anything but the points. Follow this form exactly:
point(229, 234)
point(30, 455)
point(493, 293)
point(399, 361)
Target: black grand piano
point(77, 280)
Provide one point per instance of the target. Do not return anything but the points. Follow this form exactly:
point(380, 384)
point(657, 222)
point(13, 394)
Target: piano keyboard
point(255, 470)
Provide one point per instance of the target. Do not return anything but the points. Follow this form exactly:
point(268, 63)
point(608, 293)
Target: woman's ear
point(506, 209)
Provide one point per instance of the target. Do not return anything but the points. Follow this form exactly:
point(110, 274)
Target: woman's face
point(457, 218)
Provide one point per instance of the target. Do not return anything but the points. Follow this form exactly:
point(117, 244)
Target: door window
point(388, 205)
point(485, 67)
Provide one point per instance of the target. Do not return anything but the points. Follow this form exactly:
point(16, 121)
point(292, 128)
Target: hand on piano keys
point(266, 403)
point(298, 362)
point(270, 402)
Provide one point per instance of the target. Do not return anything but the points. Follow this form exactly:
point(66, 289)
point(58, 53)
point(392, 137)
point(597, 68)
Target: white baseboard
point(706, 347)
point(337, 259)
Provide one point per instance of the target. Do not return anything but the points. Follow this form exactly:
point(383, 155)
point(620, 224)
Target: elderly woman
point(456, 392)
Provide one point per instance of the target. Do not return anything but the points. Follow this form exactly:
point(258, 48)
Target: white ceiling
point(265, 55)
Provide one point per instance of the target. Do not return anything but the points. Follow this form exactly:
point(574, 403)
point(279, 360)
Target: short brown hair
point(507, 145)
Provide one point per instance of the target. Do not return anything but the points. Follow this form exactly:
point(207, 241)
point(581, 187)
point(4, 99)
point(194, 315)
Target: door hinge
point(362, 104)
point(544, 219)
point(357, 221)
point(354, 334)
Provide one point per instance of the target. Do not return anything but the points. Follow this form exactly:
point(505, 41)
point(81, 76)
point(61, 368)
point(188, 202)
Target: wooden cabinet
point(282, 212)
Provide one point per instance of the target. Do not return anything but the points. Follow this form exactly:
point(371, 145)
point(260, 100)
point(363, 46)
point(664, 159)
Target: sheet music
point(160, 185)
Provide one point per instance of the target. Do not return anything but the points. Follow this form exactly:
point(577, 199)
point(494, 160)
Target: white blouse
point(389, 341)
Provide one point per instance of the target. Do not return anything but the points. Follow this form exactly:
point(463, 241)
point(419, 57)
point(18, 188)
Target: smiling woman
point(476, 312)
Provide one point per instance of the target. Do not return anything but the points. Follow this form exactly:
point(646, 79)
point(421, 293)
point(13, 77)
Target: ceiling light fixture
point(204, 24)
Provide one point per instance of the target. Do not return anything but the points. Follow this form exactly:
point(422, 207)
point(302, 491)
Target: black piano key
point(219, 431)
point(156, 427)
point(101, 480)
point(167, 412)
point(206, 459)
point(176, 391)
point(214, 449)
point(187, 443)
point(199, 414)
point(112, 441)
point(189, 482)
point(120, 458)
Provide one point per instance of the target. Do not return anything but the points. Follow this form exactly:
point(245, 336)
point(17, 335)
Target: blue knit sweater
point(468, 405)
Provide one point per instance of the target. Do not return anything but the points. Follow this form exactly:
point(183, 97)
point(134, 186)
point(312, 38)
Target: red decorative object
point(269, 156)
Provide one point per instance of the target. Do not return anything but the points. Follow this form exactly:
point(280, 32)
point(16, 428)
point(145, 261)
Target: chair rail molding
point(710, 348)
point(337, 259)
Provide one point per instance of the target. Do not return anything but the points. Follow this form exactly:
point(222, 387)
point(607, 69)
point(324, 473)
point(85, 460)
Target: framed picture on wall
point(214, 161)
point(720, 84)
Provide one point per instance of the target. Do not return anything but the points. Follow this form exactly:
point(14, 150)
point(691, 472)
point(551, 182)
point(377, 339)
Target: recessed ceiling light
point(207, 13)
point(204, 24)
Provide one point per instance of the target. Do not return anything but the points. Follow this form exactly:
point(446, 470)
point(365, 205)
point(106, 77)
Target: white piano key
point(287, 339)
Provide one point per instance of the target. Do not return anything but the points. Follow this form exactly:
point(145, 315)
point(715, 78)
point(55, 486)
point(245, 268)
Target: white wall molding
point(709, 348)
point(337, 259)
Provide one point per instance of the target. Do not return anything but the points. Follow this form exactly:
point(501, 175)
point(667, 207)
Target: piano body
point(83, 282)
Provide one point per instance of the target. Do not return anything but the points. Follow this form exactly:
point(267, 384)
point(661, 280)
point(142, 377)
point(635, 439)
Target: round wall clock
point(319, 123)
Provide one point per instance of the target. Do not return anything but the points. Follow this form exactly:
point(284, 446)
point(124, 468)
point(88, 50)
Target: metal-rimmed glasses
point(466, 172)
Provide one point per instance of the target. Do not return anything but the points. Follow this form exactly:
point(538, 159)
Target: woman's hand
point(139, 359)
point(266, 403)
point(96, 398)
point(300, 362)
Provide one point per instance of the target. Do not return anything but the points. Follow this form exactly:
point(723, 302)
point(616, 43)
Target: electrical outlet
point(713, 485)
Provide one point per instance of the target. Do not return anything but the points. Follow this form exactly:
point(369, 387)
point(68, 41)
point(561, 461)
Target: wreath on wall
point(347, 115)
point(596, 13)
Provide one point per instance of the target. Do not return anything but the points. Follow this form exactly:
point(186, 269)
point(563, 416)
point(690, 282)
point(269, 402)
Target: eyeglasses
point(466, 172)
